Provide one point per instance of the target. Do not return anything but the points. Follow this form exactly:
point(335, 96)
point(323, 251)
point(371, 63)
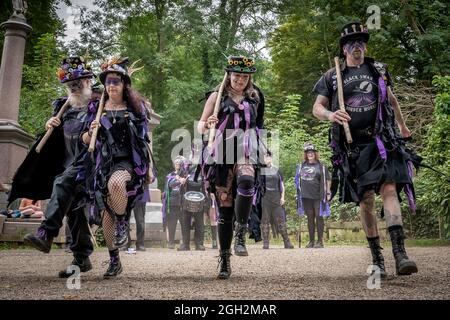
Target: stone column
point(14, 141)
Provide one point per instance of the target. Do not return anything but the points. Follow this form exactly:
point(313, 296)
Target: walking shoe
point(377, 256)
point(224, 264)
point(42, 241)
point(140, 248)
point(318, 244)
point(200, 247)
point(121, 233)
point(114, 268)
point(171, 245)
point(214, 244)
point(239, 240)
point(184, 247)
point(83, 264)
point(403, 265)
point(310, 245)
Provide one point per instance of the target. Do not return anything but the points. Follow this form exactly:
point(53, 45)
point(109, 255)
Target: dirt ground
point(277, 273)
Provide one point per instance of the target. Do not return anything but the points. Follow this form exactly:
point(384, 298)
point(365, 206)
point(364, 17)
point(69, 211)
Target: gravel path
point(330, 273)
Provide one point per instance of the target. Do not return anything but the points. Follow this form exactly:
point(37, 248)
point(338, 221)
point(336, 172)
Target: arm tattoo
point(326, 114)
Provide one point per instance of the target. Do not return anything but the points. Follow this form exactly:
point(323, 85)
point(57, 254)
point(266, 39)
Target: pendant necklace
point(115, 110)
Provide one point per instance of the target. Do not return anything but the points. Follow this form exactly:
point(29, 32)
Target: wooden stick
point(50, 130)
point(97, 118)
point(348, 135)
point(212, 131)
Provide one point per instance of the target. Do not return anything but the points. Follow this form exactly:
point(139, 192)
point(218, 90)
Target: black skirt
point(369, 171)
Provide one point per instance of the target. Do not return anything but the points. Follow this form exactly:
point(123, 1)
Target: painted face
point(239, 81)
point(356, 48)
point(114, 85)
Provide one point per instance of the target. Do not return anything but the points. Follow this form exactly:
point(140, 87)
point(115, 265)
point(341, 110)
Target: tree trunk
point(160, 12)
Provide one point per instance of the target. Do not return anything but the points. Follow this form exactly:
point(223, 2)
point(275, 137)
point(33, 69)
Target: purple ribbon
point(381, 148)
point(246, 192)
point(410, 195)
point(105, 122)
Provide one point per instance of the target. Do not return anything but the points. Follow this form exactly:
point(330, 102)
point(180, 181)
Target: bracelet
point(89, 133)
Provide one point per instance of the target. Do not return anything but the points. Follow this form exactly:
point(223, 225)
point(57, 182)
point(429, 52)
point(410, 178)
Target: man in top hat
point(377, 161)
point(62, 157)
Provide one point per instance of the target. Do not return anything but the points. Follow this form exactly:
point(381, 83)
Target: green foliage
point(42, 17)
point(40, 85)
point(434, 188)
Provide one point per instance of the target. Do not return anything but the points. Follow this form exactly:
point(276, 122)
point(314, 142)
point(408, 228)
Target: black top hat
point(240, 64)
point(353, 30)
point(115, 65)
point(74, 68)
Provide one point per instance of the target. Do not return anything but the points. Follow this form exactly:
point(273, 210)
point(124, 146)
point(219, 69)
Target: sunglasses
point(113, 82)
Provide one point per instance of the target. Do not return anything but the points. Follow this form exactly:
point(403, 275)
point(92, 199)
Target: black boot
point(42, 241)
point(121, 232)
point(239, 239)
point(403, 265)
point(115, 267)
point(184, 247)
point(214, 236)
point(265, 230)
point(377, 256)
point(224, 264)
point(83, 263)
point(284, 234)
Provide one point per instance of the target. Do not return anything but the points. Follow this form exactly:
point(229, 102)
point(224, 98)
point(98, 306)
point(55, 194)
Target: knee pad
point(246, 186)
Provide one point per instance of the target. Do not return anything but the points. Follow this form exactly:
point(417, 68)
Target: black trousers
point(199, 225)
point(139, 216)
point(173, 217)
point(314, 219)
point(65, 199)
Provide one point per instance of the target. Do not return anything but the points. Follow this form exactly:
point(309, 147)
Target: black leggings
point(312, 212)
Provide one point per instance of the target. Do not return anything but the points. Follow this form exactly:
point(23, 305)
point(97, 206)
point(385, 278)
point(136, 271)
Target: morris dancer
point(377, 160)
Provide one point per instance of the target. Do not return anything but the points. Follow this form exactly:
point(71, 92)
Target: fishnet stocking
point(117, 192)
point(108, 230)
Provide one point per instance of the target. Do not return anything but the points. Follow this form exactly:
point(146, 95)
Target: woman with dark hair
point(118, 170)
point(232, 175)
point(313, 182)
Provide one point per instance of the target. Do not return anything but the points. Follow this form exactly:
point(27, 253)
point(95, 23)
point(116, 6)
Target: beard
point(80, 98)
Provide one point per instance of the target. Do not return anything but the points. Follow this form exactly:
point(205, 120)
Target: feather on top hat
point(118, 65)
point(73, 68)
point(240, 64)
